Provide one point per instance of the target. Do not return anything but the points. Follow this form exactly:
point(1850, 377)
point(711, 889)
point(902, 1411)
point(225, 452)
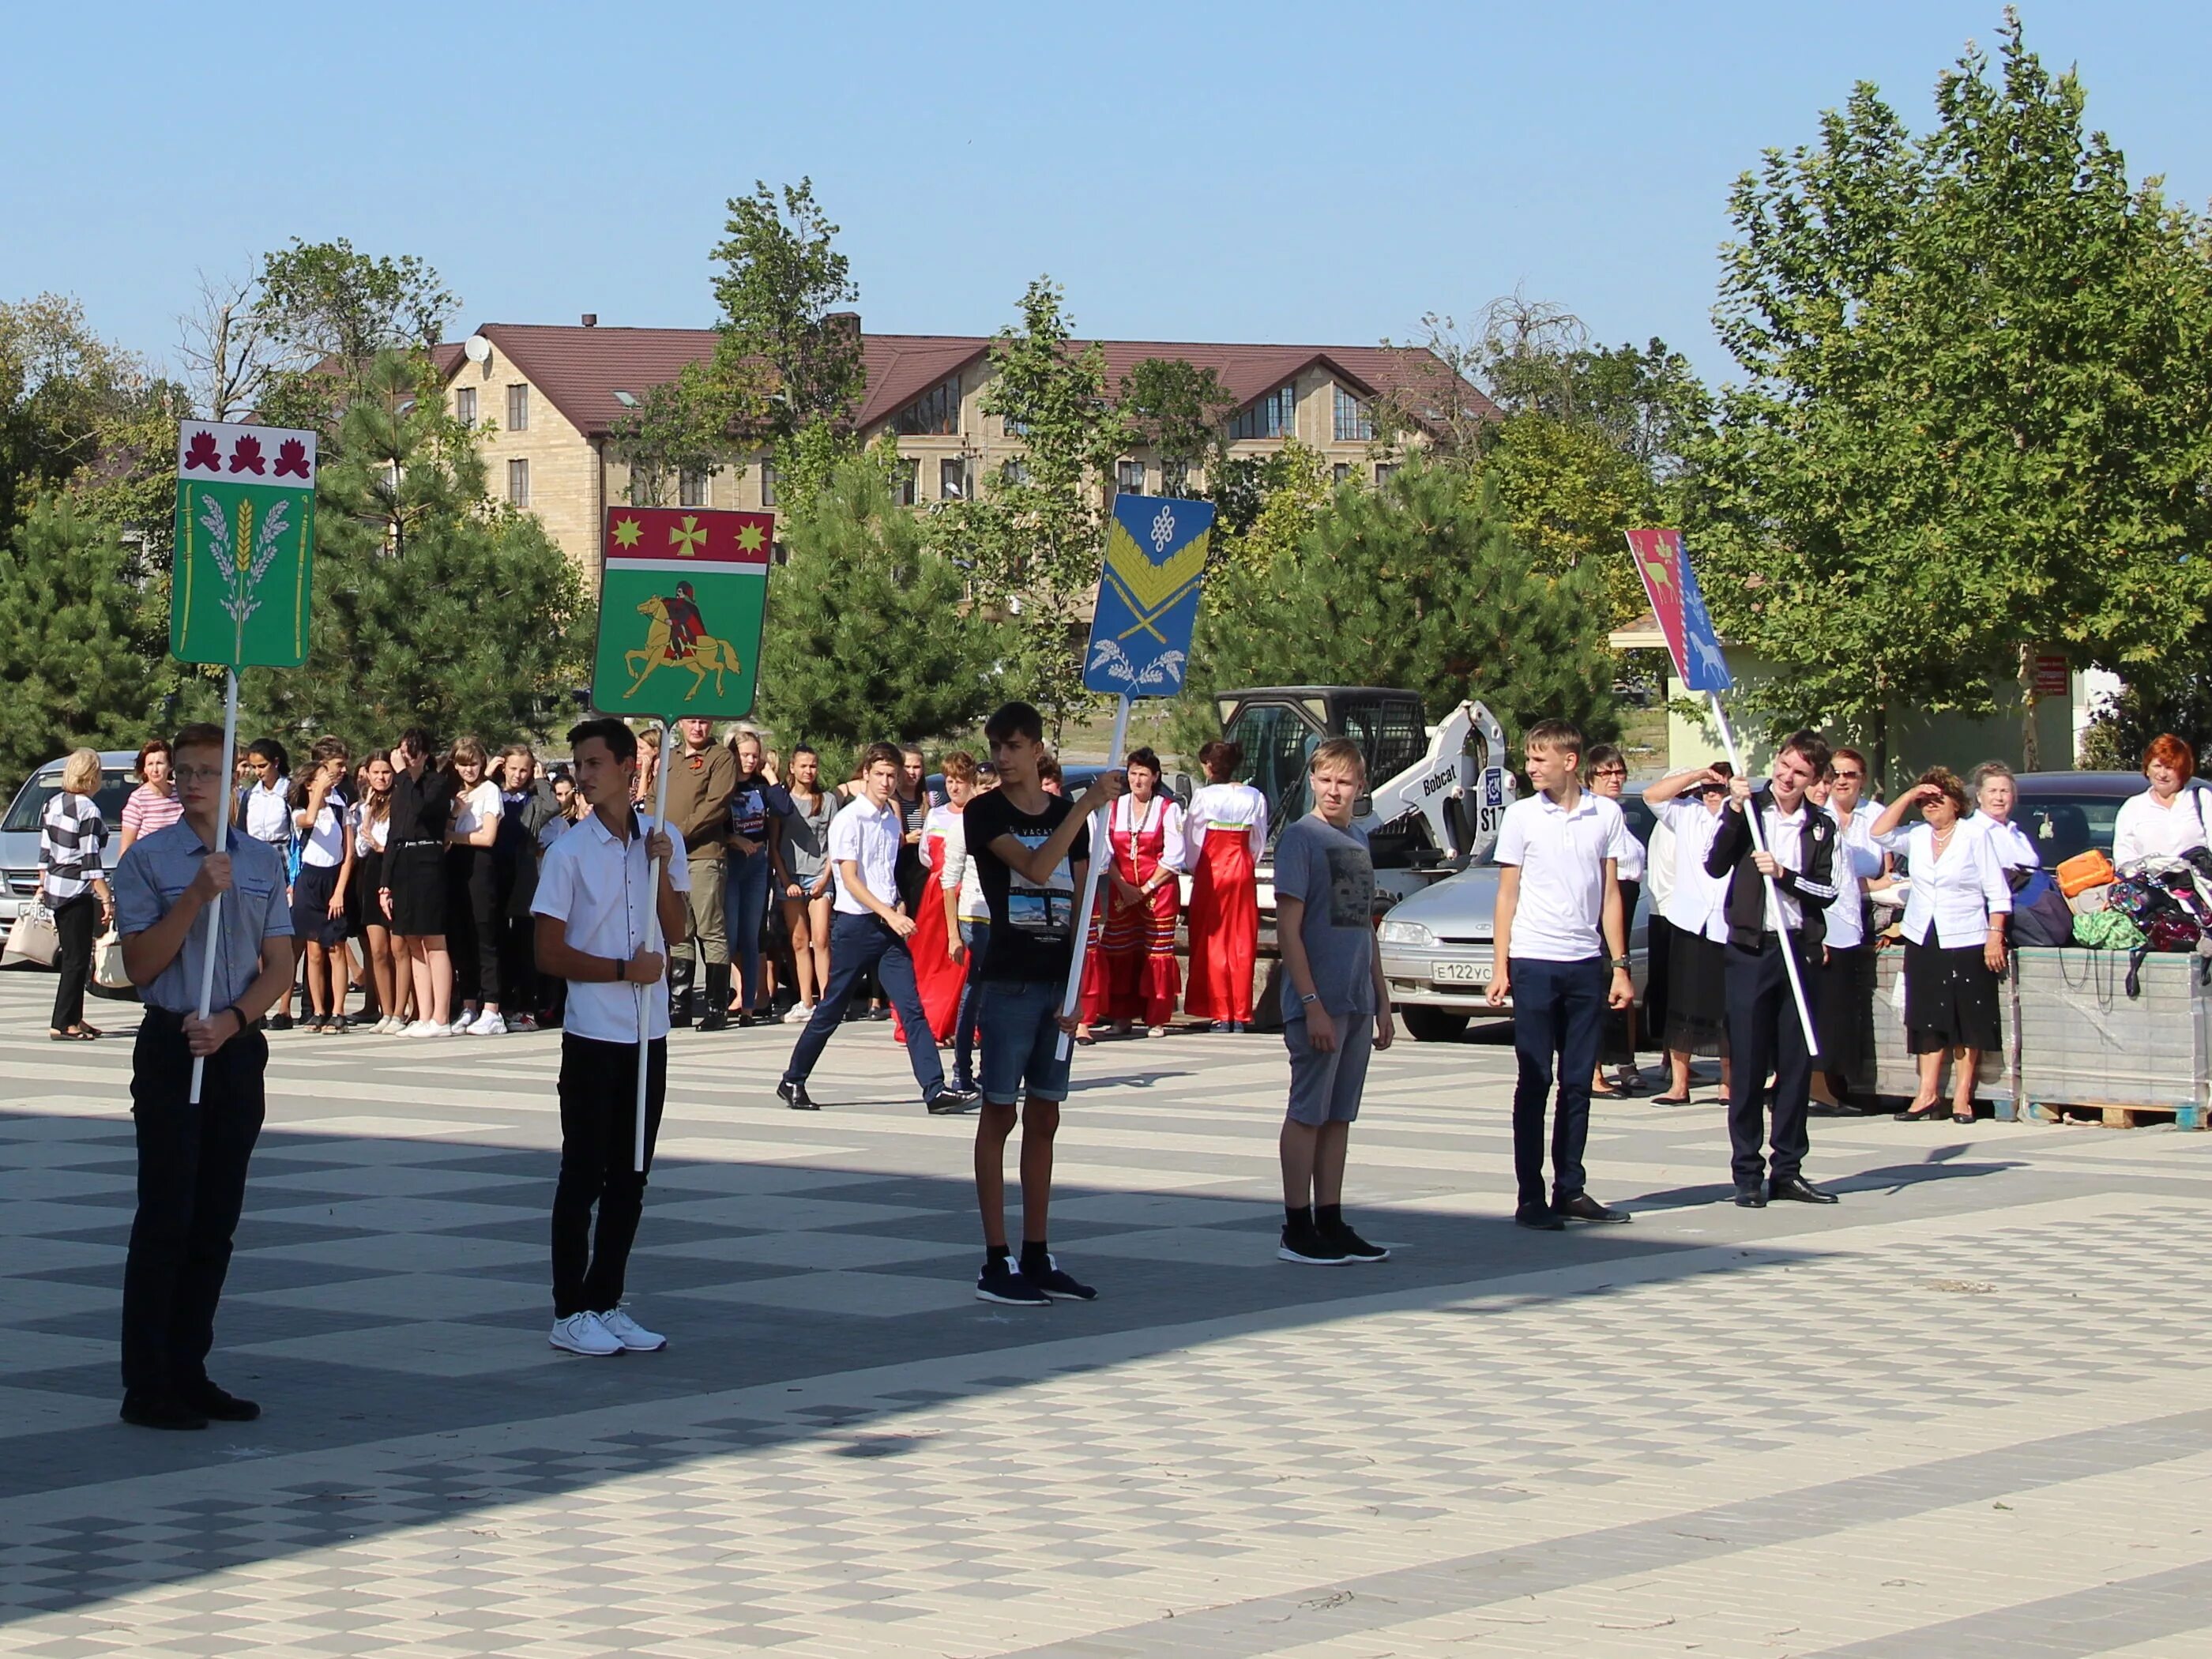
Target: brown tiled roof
point(581, 369)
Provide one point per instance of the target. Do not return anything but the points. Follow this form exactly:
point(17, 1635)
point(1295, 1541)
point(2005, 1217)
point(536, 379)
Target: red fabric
point(1134, 954)
point(936, 975)
point(1224, 928)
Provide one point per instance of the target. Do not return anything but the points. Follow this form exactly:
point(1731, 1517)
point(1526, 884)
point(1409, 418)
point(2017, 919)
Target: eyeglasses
point(1850, 777)
point(199, 774)
point(1610, 772)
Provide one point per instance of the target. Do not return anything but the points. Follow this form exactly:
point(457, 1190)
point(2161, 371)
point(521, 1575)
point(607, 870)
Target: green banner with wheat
point(244, 545)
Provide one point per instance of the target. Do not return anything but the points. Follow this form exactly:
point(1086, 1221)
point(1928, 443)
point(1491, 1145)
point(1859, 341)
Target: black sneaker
point(946, 1102)
point(1538, 1218)
point(1000, 1282)
point(1309, 1247)
point(280, 1022)
point(1355, 1248)
point(1059, 1285)
point(212, 1401)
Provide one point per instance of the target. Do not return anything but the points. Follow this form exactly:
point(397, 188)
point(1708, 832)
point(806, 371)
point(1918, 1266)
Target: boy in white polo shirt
point(596, 911)
point(1561, 943)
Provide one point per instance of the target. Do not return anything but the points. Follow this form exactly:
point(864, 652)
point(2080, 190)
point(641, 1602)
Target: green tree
point(1410, 584)
point(1977, 415)
point(1263, 504)
point(72, 671)
point(870, 636)
point(64, 394)
point(1180, 410)
point(1035, 536)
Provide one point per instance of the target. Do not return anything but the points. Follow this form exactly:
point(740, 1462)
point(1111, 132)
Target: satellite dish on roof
point(476, 348)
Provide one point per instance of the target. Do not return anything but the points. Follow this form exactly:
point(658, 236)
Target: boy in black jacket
point(1765, 1032)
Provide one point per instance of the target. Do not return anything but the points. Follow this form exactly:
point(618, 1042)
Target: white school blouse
point(1958, 893)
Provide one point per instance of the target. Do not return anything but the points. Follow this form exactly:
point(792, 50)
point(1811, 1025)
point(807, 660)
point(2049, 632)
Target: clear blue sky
point(1281, 171)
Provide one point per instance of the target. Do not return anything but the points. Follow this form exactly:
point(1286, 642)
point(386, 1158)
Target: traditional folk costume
point(1226, 829)
point(1131, 975)
point(936, 975)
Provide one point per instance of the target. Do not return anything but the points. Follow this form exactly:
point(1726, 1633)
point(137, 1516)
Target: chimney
point(845, 322)
point(591, 319)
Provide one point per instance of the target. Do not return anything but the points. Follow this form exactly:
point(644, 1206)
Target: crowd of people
point(507, 892)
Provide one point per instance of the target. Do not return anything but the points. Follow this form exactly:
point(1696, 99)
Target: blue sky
point(1285, 172)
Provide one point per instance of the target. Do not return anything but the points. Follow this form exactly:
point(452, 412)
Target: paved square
point(1956, 1416)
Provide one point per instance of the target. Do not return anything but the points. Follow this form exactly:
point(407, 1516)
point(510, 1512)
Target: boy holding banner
point(596, 906)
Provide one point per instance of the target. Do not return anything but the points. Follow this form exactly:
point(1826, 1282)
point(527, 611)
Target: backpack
point(2043, 919)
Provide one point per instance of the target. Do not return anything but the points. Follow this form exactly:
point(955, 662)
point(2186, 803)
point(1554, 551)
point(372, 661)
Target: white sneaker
point(584, 1333)
point(631, 1334)
point(798, 1013)
point(427, 1028)
point(488, 1024)
point(468, 1019)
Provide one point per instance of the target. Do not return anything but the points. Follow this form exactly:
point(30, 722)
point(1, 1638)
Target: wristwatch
point(1621, 963)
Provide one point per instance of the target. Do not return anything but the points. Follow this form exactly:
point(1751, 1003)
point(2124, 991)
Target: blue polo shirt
point(153, 877)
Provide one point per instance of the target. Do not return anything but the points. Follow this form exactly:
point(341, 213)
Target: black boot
point(679, 990)
point(717, 1016)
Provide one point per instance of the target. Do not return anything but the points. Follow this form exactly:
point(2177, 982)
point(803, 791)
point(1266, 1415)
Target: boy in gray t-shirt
point(1336, 1010)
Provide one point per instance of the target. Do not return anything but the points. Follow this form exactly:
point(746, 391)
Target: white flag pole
point(221, 845)
point(1102, 854)
point(1773, 897)
point(645, 993)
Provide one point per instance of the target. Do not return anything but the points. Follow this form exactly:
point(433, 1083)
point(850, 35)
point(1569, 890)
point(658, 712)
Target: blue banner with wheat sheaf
point(1156, 551)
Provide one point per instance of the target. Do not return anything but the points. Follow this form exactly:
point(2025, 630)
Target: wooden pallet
point(2130, 1116)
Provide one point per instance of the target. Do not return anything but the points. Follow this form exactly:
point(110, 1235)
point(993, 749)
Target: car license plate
point(1459, 973)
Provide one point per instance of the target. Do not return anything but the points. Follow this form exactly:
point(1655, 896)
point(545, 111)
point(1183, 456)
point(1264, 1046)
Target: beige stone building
point(547, 401)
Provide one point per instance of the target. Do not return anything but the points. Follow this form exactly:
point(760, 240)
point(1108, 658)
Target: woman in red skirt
point(938, 976)
point(1132, 974)
point(1227, 830)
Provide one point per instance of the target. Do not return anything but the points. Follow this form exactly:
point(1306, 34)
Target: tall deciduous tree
point(329, 310)
point(1978, 411)
point(1410, 584)
point(869, 635)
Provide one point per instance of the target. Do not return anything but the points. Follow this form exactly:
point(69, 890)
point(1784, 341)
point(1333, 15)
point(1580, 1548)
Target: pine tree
point(71, 671)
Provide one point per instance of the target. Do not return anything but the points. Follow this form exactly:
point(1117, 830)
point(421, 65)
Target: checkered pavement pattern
point(1951, 1415)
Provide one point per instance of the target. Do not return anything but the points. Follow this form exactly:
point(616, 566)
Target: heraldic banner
point(1156, 550)
point(245, 548)
point(682, 596)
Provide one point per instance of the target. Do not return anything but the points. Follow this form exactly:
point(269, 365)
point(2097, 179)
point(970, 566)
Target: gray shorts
point(1325, 1088)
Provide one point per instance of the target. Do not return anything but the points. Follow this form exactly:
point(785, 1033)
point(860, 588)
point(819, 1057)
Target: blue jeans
point(976, 936)
point(746, 905)
point(858, 944)
point(1558, 1009)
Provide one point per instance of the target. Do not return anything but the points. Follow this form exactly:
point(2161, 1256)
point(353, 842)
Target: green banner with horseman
point(683, 600)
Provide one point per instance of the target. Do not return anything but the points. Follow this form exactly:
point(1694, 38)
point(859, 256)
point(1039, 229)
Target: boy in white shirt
point(1558, 928)
point(596, 911)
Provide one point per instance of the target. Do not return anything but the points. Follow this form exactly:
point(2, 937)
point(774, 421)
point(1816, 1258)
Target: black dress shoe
point(1539, 1217)
point(794, 1096)
point(1798, 1190)
point(946, 1101)
point(1750, 1198)
point(159, 1411)
point(715, 1019)
point(214, 1401)
point(1583, 1207)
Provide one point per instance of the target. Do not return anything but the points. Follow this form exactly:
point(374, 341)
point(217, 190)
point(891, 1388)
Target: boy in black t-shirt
point(1030, 849)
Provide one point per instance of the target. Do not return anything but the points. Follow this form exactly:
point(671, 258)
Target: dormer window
point(935, 414)
point(1273, 416)
point(1354, 424)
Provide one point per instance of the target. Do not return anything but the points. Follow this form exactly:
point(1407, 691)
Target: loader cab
point(1277, 728)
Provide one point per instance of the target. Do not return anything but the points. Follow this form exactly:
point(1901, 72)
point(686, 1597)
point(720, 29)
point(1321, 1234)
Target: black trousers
point(75, 920)
point(191, 1185)
point(472, 923)
point(1764, 1035)
point(598, 1131)
point(1558, 1009)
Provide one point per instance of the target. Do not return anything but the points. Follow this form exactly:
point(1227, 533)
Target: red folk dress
point(937, 977)
point(1132, 975)
point(1226, 829)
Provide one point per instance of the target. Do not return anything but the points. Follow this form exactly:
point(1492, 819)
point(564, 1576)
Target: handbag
point(2045, 919)
point(108, 969)
point(33, 937)
point(2084, 870)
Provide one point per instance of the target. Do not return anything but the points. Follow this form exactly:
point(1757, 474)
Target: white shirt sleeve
point(1512, 839)
point(557, 885)
point(1996, 895)
point(845, 838)
point(1259, 826)
point(954, 829)
point(1620, 845)
point(2127, 831)
point(1194, 824)
point(1172, 853)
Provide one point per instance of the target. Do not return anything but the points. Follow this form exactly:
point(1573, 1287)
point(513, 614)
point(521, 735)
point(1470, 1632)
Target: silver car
point(1438, 949)
point(19, 830)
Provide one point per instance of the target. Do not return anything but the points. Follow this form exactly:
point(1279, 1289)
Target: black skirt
point(364, 906)
point(1842, 1010)
point(1950, 998)
point(416, 876)
point(312, 920)
point(1697, 999)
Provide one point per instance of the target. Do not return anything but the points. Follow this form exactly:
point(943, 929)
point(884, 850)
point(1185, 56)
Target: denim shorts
point(1019, 1029)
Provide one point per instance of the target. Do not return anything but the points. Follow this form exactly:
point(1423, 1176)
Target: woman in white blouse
point(2166, 819)
point(472, 889)
point(1226, 831)
point(1605, 774)
point(1995, 792)
point(1955, 913)
point(1132, 975)
point(1688, 804)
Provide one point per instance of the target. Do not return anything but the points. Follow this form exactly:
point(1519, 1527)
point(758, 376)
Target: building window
point(1013, 427)
point(1175, 477)
point(935, 414)
point(906, 481)
point(464, 406)
point(1384, 469)
point(768, 483)
point(952, 479)
point(518, 482)
point(518, 409)
point(1354, 425)
point(1129, 477)
point(1342, 471)
point(1015, 472)
point(1272, 416)
point(692, 489)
